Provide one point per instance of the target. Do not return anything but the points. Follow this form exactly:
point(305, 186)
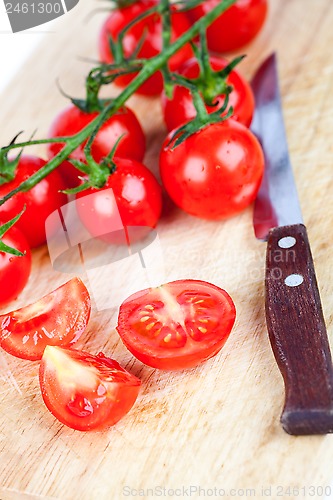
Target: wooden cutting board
point(216, 426)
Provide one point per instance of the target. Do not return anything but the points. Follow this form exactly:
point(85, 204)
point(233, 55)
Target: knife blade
point(294, 315)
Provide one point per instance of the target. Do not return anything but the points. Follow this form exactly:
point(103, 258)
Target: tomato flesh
point(83, 391)
point(177, 325)
point(59, 319)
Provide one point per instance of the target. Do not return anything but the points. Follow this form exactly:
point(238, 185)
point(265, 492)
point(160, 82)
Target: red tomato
point(83, 391)
point(124, 122)
point(151, 29)
point(14, 270)
point(234, 28)
point(177, 325)
point(180, 108)
point(216, 172)
point(137, 194)
point(40, 201)
point(59, 319)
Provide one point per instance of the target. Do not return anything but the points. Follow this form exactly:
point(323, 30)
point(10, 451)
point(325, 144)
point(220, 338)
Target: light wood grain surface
point(216, 425)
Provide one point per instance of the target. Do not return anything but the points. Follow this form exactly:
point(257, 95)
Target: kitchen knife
point(294, 315)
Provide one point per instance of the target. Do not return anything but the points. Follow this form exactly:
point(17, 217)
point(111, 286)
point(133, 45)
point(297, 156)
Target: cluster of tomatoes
point(214, 173)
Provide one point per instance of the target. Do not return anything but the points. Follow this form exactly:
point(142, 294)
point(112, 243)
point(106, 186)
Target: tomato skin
point(14, 270)
point(40, 201)
point(138, 196)
point(58, 319)
point(152, 44)
point(191, 321)
point(83, 391)
point(216, 172)
point(180, 109)
point(236, 27)
point(71, 120)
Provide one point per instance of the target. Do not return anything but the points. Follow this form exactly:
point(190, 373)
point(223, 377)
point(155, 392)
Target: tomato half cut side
point(83, 391)
point(59, 319)
point(177, 325)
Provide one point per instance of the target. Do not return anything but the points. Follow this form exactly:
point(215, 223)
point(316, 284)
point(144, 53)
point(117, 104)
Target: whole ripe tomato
point(83, 391)
point(123, 123)
point(216, 172)
point(137, 196)
point(14, 270)
point(236, 27)
point(58, 319)
point(180, 108)
point(40, 201)
point(177, 325)
point(151, 28)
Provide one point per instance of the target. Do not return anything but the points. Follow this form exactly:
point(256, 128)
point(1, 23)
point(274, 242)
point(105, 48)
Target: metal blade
point(277, 201)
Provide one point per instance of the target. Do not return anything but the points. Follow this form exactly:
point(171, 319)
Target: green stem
point(149, 68)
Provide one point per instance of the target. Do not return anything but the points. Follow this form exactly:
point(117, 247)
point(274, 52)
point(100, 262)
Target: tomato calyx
point(204, 89)
point(8, 167)
point(3, 230)
point(106, 167)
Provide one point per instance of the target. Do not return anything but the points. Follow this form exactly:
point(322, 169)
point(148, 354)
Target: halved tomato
point(83, 391)
point(59, 319)
point(177, 325)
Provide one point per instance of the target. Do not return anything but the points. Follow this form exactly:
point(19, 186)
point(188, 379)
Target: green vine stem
point(150, 66)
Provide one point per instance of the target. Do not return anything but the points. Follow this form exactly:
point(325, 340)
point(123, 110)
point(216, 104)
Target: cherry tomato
point(59, 319)
point(177, 325)
point(123, 123)
point(40, 201)
point(234, 28)
point(216, 172)
point(180, 108)
point(151, 29)
point(136, 193)
point(84, 391)
point(14, 270)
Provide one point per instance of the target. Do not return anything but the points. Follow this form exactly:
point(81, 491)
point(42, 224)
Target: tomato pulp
point(59, 318)
point(83, 391)
point(177, 325)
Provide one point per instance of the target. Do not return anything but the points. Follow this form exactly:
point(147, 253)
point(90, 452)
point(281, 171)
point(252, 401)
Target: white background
point(15, 48)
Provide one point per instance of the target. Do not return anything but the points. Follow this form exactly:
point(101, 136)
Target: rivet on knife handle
point(297, 332)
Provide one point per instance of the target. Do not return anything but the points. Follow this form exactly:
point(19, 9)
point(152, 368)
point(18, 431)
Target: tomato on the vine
point(176, 325)
point(123, 123)
point(40, 201)
point(137, 195)
point(180, 109)
point(14, 270)
point(216, 172)
point(83, 391)
point(236, 27)
point(58, 319)
point(150, 31)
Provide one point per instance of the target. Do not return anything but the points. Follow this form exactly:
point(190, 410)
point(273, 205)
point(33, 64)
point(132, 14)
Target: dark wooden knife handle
point(297, 332)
